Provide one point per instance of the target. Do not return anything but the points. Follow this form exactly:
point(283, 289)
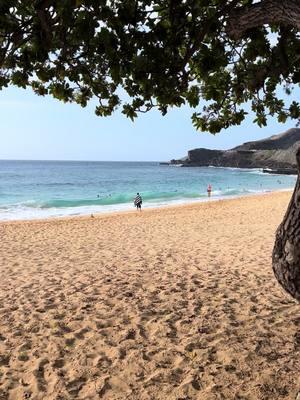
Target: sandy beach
point(177, 303)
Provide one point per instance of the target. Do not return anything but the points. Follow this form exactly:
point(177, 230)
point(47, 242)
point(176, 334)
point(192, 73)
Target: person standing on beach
point(209, 189)
point(138, 202)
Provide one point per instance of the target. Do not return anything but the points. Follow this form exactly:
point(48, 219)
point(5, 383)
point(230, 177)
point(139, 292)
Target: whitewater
point(43, 189)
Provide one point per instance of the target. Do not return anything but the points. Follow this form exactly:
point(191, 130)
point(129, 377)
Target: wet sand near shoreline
point(177, 303)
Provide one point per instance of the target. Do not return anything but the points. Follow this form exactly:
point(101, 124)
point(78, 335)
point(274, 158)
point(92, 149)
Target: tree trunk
point(286, 252)
point(265, 12)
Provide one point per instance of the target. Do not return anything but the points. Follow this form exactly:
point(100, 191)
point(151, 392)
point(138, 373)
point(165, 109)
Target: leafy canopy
point(162, 53)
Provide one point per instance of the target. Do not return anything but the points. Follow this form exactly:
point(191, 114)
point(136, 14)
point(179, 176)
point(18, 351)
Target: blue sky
point(38, 128)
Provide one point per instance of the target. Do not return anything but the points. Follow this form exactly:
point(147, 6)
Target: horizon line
point(69, 160)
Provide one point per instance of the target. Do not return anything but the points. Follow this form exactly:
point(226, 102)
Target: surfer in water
point(138, 202)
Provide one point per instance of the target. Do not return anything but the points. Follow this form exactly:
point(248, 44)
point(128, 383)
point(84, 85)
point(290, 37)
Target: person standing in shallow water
point(138, 202)
point(209, 189)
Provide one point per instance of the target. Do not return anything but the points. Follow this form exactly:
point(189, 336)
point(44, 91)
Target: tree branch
point(266, 12)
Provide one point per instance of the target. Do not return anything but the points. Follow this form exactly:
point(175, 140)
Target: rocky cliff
point(276, 152)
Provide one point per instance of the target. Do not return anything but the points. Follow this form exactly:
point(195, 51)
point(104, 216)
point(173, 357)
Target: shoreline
point(84, 190)
point(170, 303)
point(129, 208)
point(106, 214)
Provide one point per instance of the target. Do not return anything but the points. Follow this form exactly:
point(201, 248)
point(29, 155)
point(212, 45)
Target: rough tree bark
point(266, 12)
point(286, 253)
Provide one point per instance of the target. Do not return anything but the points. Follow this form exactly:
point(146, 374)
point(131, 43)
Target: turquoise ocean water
point(41, 189)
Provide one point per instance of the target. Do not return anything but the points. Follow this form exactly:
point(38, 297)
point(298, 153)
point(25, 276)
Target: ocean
point(43, 189)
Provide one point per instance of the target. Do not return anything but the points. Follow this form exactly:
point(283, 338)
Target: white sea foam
point(23, 212)
point(30, 190)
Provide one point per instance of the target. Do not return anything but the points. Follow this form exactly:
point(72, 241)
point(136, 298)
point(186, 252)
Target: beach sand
point(175, 303)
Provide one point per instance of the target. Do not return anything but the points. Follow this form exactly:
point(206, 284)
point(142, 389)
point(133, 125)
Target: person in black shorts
point(138, 202)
